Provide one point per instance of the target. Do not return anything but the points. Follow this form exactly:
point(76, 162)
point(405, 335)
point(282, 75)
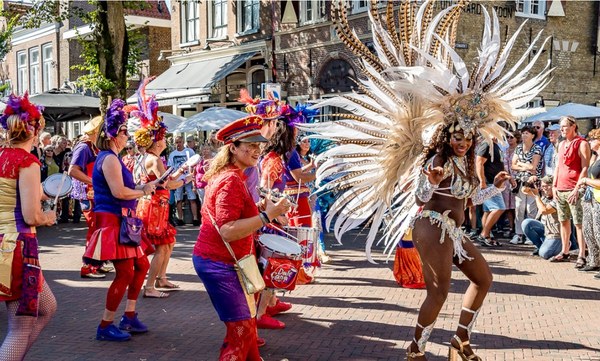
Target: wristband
point(264, 218)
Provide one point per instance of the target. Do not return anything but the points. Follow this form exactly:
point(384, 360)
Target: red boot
point(278, 308)
point(269, 322)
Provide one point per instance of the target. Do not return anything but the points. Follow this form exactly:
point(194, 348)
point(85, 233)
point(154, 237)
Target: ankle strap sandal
point(454, 353)
point(411, 355)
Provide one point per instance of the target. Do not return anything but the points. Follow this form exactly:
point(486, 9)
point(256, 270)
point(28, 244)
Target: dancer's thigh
point(435, 256)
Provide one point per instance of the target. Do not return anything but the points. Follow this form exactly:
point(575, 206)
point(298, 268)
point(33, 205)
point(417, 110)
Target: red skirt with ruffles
point(154, 212)
point(104, 244)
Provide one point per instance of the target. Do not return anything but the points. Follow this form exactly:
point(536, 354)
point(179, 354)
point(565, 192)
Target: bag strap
point(212, 220)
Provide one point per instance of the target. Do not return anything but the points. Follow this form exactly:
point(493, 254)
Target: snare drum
point(281, 259)
point(308, 239)
point(274, 246)
point(52, 184)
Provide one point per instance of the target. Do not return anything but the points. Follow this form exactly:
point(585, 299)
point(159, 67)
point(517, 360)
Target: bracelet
point(264, 218)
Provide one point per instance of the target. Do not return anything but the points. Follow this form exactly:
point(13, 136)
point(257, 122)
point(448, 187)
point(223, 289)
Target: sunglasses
point(509, 137)
point(129, 148)
point(538, 127)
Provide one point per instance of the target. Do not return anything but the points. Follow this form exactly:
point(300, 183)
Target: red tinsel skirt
point(154, 212)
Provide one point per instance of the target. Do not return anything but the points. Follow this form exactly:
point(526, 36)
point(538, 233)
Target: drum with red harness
point(281, 259)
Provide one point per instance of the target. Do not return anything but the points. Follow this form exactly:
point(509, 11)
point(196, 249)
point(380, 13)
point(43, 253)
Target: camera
point(529, 184)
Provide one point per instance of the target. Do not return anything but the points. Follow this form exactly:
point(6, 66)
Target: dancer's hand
point(500, 178)
point(435, 175)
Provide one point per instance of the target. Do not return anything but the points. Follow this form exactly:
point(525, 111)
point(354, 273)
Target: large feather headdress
point(147, 124)
point(415, 83)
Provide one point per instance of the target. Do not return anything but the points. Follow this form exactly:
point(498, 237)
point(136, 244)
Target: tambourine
point(275, 195)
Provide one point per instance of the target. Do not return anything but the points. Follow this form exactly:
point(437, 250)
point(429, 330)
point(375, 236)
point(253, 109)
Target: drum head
point(52, 183)
point(192, 161)
point(280, 244)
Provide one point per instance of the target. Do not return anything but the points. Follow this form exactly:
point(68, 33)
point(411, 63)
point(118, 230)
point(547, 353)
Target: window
point(531, 8)
point(48, 67)
point(219, 19)
point(248, 15)
point(190, 21)
point(22, 72)
point(34, 71)
point(76, 129)
point(359, 6)
point(258, 77)
point(312, 11)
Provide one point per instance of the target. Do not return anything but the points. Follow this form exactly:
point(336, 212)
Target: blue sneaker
point(132, 325)
point(111, 333)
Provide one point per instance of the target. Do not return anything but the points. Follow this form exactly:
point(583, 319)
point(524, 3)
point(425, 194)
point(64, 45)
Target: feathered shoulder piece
point(29, 113)
point(151, 127)
point(414, 83)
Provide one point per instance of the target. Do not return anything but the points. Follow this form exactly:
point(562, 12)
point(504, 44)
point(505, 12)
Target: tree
point(111, 55)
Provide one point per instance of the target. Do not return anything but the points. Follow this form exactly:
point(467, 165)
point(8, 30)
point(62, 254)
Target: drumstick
point(62, 183)
point(188, 159)
point(298, 195)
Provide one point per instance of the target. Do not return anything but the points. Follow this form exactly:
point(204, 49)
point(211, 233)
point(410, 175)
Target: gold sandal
point(454, 353)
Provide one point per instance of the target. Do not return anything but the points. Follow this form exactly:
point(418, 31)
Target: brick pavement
point(535, 311)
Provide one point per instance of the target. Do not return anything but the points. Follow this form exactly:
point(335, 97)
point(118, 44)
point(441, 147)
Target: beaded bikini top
point(460, 187)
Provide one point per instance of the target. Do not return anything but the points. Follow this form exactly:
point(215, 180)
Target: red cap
point(246, 129)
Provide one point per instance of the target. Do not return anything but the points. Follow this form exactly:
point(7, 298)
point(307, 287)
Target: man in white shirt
point(176, 158)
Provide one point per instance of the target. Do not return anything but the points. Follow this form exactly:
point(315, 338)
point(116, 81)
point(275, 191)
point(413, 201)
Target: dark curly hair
point(282, 141)
point(440, 145)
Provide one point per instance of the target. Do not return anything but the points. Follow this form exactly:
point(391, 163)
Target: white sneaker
point(528, 242)
point(516, 239)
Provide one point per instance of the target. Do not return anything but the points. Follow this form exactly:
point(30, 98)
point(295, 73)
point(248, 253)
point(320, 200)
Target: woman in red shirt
point(229, 203)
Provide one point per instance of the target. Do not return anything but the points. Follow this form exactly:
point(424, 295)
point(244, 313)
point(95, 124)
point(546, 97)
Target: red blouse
point(227, 199)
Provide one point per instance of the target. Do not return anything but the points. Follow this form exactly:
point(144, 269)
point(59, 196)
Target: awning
point(187, 83)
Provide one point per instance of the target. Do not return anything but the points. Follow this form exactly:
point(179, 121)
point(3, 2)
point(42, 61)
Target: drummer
point(81, 168)
point(228, 201)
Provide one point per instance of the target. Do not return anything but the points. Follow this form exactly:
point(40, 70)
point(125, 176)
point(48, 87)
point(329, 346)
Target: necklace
point(461, 164)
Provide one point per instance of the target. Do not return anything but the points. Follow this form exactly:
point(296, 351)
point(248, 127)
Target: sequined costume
point(459, 188)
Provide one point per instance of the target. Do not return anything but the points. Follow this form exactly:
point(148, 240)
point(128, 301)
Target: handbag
point(246, 267)
point(131, 229)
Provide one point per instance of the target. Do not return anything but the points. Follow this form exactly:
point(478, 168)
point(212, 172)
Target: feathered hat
point(114, 119)
point(29, 113)
point(269, 108)
point(300, 114)
point(413, 83)
point(151, 127)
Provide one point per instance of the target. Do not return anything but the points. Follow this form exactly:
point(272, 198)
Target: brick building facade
point(312, 62)
point(42, 59)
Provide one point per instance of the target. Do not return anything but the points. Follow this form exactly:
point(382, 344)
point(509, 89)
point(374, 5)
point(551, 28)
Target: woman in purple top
point(115, 194)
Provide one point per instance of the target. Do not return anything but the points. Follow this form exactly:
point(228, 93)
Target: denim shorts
point(189, 191)
point(494, 203)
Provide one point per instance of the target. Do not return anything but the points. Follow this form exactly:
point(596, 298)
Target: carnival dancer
point(228, 202)
point(115, 196)
point(81, 168)
point(29, 301)
point(269, 109)
point(409, 139)
point(157, 233)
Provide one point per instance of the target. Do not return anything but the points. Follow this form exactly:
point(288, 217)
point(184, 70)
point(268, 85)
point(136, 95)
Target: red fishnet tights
point(240, 342)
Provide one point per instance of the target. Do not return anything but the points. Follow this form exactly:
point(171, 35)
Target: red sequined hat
point(246, 129)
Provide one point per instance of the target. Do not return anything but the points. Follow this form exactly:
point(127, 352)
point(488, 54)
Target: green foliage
point(94, 79)
point(6, 35)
